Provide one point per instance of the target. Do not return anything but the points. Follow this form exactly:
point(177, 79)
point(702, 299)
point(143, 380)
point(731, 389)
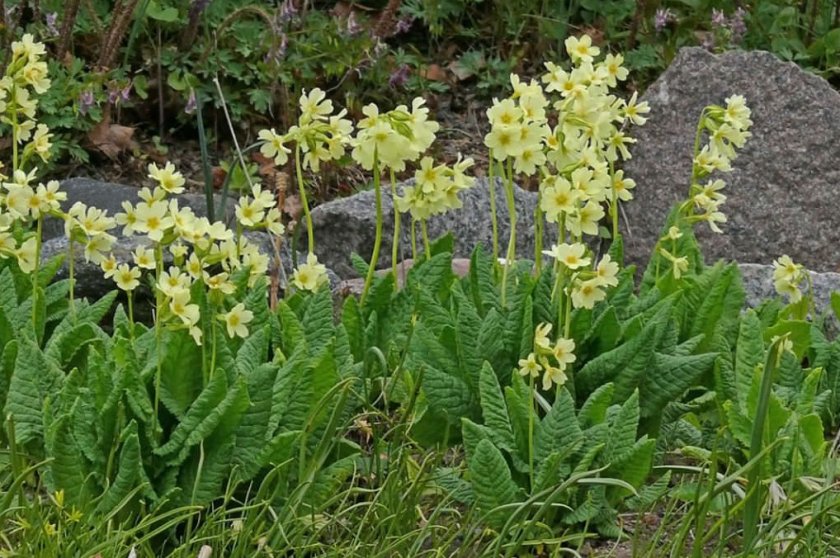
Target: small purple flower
point(399, 77)
point(125, 92)
point(51, 20)
point(86, 100)
point(288, 11)
point(403, 25)
point(353, 27)
point(718, 18)
point(662, 18)
point(737, 26)
point(191, 103)
point(197, 7)
point(276, 54)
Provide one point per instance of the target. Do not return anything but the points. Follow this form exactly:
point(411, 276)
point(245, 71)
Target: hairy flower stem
point(613, 203)
point(130, 297)
point(413, 239)
point(395, 244)
point(427, 246)
point(491, 176)
point(511, 250)
point(377, 241)
point(71, 261)
point(538, 232)
point(310, 235)
point(12, 108)
point(39, 227)
point(158, 333)
point(531, 412)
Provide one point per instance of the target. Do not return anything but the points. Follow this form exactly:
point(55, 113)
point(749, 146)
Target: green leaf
point(798, 332)
point(35, 380)
point(199, 420)
point(749, 355)
point(128, 471)
point(318, 322)
point(626, 365)
point(291, 330)
point(560, 431)
point(594, 409)
point(351, 317)
point(482, 286)
point(253, 352)
point(669, 379)
point(67, 469)
point(491, 480)
point(721, 307)
point(494, 409)
point(181, 374)
point(623, 427)
point(166, 15)
point(252, 434)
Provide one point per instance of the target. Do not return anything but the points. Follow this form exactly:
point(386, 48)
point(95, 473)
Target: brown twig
point(71, 9)
point(120, 20)
point(635, 23)
point(387, 20)
point(94, 17)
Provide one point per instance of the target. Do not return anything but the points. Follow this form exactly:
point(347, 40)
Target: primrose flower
point(587, 293)
point(237, 321)
point(153, 219)
point(144, 258)
point(572, 256)
point(784, 269)
point(168, 178)
point(26, 255)
point(314, 106)
point(581, 49)
point(311, 275)
point(189, 313)
point(541, 337)
point(108, 266)
point(529, 366)
point(553, 376)
point(173, 281)
point(274, 146)
point(607, 271)
point(127, 277)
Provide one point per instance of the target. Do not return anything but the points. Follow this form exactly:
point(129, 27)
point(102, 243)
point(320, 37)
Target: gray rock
point(782, 193)
point(348, 225)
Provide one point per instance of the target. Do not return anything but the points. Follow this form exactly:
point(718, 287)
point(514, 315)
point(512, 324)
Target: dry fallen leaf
point(292, 206)
point(434, 72)
point(112, 139)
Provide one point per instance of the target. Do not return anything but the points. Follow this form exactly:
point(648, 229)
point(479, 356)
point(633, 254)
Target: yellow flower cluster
point(550, 360)
point(393, 138)
point(435, 188)
point(202, 251)
point(21, 200)
point(727, 129)
point(576, 155)
point(320, 135)
point(586, 286)
point(787, 276)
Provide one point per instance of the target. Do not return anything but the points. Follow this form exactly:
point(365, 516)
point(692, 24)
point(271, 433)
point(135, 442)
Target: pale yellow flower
point(237, 320)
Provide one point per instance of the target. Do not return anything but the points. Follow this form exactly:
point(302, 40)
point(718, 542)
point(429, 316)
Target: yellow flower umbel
point(787, 278)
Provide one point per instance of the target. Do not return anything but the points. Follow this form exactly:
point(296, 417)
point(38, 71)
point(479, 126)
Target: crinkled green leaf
point(491, 480)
